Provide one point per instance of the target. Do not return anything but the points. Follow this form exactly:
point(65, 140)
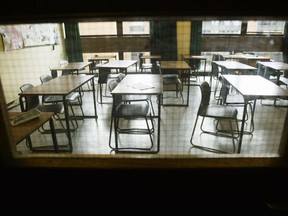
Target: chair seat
point(147, 66)
point(56, 108)
point(73, 96)
point(171, 79)
point(56, 98)
point(234, 99)
point(216, 111)
point(52, 99)
point(117, 76)
point(129, 111)
point(280, 82)
point(135, 97)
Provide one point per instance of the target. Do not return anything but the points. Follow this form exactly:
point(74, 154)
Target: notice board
point(29, 35)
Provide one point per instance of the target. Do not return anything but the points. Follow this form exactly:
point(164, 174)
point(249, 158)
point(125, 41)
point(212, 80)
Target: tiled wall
point(183, 37)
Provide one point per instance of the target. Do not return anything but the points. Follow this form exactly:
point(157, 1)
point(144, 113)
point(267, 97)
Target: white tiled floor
point(176, 127)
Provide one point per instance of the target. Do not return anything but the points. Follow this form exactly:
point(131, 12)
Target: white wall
point(27, 65)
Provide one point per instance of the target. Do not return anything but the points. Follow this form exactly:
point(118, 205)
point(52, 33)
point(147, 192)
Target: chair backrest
point(260, 69)
point(141, 61)
point(221, 57)
point(121, 76)
point(224, 91)
point(103, 75)
point(45, 78)
point(117, 99)
point(158, 67)
point(214, 69)
point(205, 97)
point(215, 57)
point(268, 72)
point(30, 101)
point(112, 84)
point(264, 71)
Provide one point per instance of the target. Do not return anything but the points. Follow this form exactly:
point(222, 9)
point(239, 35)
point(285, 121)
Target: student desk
point(234, 67)
point(247, 58)
point(69, 68)
point(119, 65)
point(277, 67)
point(98, 60)
point(24, 130)
point(64, 85)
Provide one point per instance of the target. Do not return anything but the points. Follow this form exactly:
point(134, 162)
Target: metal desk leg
point(242, 126)
point(94, 100)
point(159, 120)
point(53, 134)
point(188, 91)
point(67, 123)
point(204, 68)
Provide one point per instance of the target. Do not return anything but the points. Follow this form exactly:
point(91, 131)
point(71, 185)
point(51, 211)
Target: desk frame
point(181, 66)
point(196, 57)
point(262, 89)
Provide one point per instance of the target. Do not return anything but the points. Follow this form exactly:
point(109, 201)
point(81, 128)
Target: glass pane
point(221, 27)
point(97, 28)
point(136, 27)
point(265, 27)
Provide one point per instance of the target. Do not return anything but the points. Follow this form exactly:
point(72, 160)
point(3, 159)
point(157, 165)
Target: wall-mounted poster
point(28, 35)
point(12, 37)
point(39, 34)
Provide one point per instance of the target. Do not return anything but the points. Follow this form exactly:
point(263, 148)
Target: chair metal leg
point(118, 131)
point(215, 134)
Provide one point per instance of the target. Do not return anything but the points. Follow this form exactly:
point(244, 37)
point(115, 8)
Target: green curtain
point(285, 43)
point(73, 42)
point(285, 47)
point(195, 42)
point(163, 39)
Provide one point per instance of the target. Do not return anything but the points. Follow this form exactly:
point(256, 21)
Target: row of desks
point(245, 85)
point(64, 85)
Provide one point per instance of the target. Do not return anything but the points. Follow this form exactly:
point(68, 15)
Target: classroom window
point(97, 28)
point(221, 27)
point(136, 27)
point(266, 27)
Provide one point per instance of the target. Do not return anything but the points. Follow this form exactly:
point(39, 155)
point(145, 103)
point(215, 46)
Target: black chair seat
point(167, 79)
point(52, 99)
point(280, 82)
point(128, 111)
point(220, 112)
point(56, 108)
point(73, 96)
point(57, 98)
